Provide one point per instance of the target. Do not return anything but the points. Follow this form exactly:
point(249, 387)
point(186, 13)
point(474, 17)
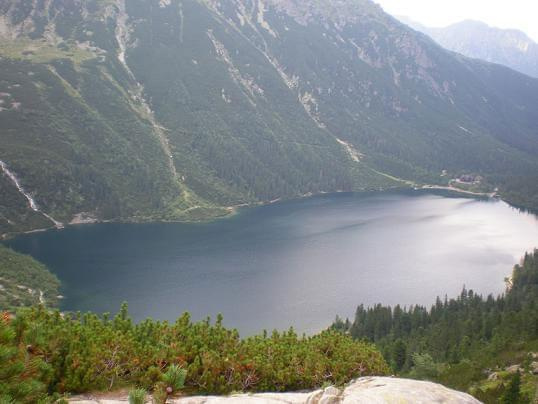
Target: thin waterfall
point(31, 201)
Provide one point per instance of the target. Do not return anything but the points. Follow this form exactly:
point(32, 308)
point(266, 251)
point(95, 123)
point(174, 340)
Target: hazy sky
point(519, 14)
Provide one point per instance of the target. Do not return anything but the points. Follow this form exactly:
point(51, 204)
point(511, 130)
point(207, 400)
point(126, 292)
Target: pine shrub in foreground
point(137, 396)
point(22, 376)
point(92, 353)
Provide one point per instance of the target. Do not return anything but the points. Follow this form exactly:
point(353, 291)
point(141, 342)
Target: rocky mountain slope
point(508, 47)
point(179, 109)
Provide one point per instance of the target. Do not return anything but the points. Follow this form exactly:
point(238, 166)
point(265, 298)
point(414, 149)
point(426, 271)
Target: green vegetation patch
point(41, 51)
point(469, 343)
point(25, 282)
point(89, 353)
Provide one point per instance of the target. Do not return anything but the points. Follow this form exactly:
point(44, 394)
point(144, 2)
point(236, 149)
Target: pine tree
point(512, 395)
point(399, 354)
point(20, 374)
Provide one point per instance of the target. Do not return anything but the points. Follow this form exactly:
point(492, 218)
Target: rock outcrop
point(366, 390)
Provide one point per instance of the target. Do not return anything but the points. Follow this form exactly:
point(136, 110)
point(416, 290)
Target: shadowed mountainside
point(179, 109)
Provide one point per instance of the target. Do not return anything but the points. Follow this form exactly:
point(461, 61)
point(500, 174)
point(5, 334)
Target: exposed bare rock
point(381, 390)
point(514, 369)
point(366, 390)
point(534, 367)
point(339, 12)
point(246, 83)
point(84, 218)
point(493, 376)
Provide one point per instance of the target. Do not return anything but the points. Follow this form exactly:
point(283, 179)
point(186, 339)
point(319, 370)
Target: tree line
point(457, 340)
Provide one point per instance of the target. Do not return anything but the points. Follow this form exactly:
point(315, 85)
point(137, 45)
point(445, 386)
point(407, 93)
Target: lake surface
point(293, 263)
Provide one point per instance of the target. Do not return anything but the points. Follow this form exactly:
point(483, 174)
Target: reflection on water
point(294, 263)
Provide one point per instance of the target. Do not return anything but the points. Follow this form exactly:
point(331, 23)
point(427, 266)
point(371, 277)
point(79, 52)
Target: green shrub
point(175, 377)
point(160, 394)
point(22, 376)
point(137, 396)
point(424, 367)
point(89, 353)
point(512, 394)
point(151, 377)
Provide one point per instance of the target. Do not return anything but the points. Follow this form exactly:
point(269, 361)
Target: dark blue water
point(294, 263)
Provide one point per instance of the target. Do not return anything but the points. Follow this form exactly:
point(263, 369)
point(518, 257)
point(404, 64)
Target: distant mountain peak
point(510, 47)
point(471, 22)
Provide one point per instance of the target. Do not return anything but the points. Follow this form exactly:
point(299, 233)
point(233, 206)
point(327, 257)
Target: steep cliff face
point(176, 109)
point(366, 390)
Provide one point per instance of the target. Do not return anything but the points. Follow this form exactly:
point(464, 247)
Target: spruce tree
point(399, 355)
point(512, 395)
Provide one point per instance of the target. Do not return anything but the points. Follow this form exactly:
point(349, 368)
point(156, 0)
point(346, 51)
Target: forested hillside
point(468, 343)
point(25, 282)
point(182, 109)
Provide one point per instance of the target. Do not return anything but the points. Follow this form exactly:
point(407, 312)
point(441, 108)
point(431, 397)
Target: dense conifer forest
point(469, 343)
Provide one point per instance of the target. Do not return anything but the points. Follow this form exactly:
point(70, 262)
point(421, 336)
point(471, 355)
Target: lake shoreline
point(234, 209)
point(296, 262)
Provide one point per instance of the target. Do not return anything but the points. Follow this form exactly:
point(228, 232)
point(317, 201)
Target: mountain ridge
point(509, 47)
point(176, 110)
